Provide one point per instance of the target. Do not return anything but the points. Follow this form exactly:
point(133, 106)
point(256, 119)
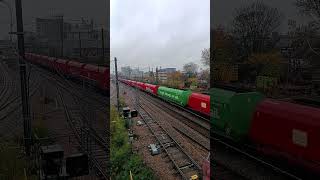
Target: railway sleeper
point(168, 144)
point(161, 136)
point(186, 166)
point(163, 140)
point(153, 126)
point(168, 160)
point(174, 152)
point(182, 160)
point(164, 155)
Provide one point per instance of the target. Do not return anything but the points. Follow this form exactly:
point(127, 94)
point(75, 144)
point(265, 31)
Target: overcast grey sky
point(166, 33)
point(72, 9)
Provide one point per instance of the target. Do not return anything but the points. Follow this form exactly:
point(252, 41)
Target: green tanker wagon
point(174, 95)
point(232, 112)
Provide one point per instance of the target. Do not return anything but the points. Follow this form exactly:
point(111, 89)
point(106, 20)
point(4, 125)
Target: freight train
point(99, 76)
point(280, 129)
point(197, 102)
point(284, 130)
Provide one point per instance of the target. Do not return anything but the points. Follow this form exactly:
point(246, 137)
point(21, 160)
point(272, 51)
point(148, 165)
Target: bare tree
point(190, 68)
point(309, 7)
point(253, 25)
point(308, 34)
point(205, 56)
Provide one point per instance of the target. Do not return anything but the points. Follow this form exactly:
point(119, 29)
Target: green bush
point(39, 128)
point(13, 164)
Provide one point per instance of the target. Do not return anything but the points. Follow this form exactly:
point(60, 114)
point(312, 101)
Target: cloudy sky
point(166, 33)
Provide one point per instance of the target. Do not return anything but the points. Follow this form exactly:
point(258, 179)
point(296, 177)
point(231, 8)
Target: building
point(163, 74)
point(50, 28)
point(78, 39)
point(149, 77)
point(137, 74)
point(126, 71)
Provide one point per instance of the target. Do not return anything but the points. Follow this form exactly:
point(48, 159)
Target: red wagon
point(130, 82)
point(134, 83)
point(51, 62)
point(38, 58)
point(91, 72)
point(75, 68)
point(151, 88)
point(104, 78)
point(33, 58)
point(61, 66)
point(200, 103)
point(141, 85)
point(28, 57)
point(288, 130)
point(43, 60)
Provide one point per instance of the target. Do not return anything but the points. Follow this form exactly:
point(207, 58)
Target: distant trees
point(205, 56)
point(253, 25)
point(222, 69)
point(175, 79)
point(266, 64)
point(190, 69)
point(207, 60)
point(307, 38)
point(310, 8)
point(223, 45)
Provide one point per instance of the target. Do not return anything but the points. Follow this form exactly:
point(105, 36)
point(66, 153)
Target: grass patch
point(122, 101)
point(39, 127)
point(40, 131)
point(13, 163)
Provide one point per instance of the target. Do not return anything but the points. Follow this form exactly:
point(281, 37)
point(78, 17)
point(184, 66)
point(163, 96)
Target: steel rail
point(192, 165)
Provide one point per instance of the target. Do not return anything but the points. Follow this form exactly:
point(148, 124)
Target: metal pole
point(62, 36)
point(102, 42)
point(117, 84)
point(79, 44)
point(157, 78)
point(24, 82)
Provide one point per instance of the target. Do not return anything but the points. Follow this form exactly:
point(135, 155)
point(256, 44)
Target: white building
point(163, 74)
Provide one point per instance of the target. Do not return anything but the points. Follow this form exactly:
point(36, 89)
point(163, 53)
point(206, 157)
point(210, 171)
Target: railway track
point(78, 106)
point(8, 84)
point(5, 84)
point(234, 163)
point(197, 123)
point(76, 90)
point(85, 95)
point(187, 131)
point(246, 165)
point(222, 172)
point(10, 107)
point(90, 142)
point(183, 163)
point(201, 124)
